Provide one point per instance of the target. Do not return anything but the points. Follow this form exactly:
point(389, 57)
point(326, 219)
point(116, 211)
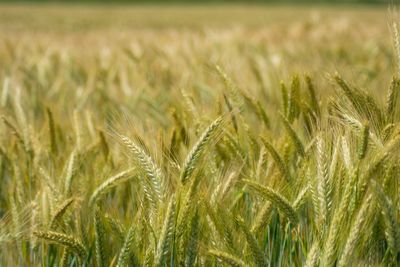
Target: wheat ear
point(275, 198)
point(194, 155)
point(63, 239)
point(99, 239)
point(110, 183)
point(227, 258)
point(126, 248)
point(166, 234)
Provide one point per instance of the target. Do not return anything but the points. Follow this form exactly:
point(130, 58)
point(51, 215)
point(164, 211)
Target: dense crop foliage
point(173, 146)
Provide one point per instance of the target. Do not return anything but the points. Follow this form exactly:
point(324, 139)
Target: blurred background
point(258, 41)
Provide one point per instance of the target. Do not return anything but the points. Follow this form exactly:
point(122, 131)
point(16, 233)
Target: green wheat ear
point(255, 250)
point(63, 239)
point(391, 99)
point(391, 221)
point(227, 258)
point(144, 161)
point(125, 251)
point(313, 255)
point(110, 183)
point(313, 96)
point(100, 235)
point(354, 235)
point(284, 170)
point(197, 150)
point(14, 131)
point(263, 217)
point(294, 99)
point(64, 261)
point(294, 136)
point(364, 141)
point(166, 235)
point(61, 209)
point(189, 243)
point(70, 172)
point(396, 41)
point(275, 198)
point(116, 226)
point(230, 85)
point(52, 132)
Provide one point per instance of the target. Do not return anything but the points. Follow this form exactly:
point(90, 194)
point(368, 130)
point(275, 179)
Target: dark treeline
point(203, 1)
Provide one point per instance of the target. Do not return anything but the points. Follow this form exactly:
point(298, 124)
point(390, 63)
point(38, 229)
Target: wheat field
point(199, 135)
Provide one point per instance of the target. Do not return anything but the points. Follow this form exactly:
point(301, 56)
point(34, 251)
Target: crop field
point(199, 135)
